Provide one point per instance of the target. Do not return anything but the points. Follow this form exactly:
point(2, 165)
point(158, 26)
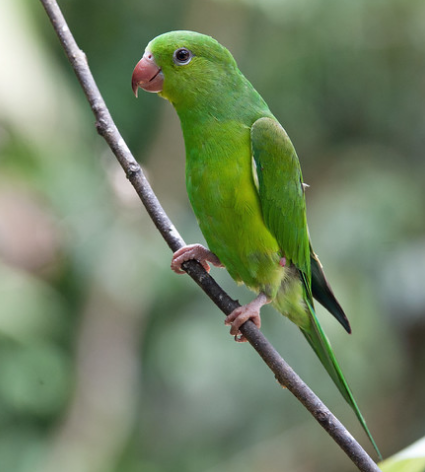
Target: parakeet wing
point(277, 175)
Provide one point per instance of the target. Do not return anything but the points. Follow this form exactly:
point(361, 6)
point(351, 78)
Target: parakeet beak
point(147, 75)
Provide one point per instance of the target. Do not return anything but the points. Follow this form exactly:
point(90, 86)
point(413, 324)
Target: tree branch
point(282, 371)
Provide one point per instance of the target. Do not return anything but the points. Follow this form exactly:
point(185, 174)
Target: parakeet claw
point(198, 253)
point(250, 311)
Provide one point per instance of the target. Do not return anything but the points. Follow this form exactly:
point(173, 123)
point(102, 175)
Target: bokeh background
point(111, 363)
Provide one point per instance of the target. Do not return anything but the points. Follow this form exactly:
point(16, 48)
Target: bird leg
point(250, 311)
point(198, 253)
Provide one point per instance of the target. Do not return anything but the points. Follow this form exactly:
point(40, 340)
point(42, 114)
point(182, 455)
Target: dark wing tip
point(323, 293)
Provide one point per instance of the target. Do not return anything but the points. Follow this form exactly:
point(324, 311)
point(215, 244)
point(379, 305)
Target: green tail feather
point(321, 346)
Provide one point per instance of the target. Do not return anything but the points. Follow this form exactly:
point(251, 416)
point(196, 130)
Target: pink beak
point(147, 75)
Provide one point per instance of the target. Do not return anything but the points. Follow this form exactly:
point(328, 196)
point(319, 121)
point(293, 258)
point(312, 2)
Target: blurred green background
point(109, 362)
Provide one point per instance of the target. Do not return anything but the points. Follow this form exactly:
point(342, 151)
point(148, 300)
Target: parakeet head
point(183, 66)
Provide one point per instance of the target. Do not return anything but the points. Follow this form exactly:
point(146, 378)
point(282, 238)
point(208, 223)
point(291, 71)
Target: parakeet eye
point(182, 56)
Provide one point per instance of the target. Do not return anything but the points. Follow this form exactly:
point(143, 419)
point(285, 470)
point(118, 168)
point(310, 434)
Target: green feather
point(321, 346)
point(245, 185)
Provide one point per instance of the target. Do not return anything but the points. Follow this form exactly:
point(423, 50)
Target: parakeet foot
point(250, 311)
point(198, 253)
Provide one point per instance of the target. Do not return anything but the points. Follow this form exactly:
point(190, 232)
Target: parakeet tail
point(321, 346)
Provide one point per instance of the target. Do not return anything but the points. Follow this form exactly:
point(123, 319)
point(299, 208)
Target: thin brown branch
point(282, 371)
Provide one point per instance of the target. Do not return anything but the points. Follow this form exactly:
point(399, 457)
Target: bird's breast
point(224, 198)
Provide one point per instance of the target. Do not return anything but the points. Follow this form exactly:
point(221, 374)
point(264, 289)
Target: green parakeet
point(245, 185)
